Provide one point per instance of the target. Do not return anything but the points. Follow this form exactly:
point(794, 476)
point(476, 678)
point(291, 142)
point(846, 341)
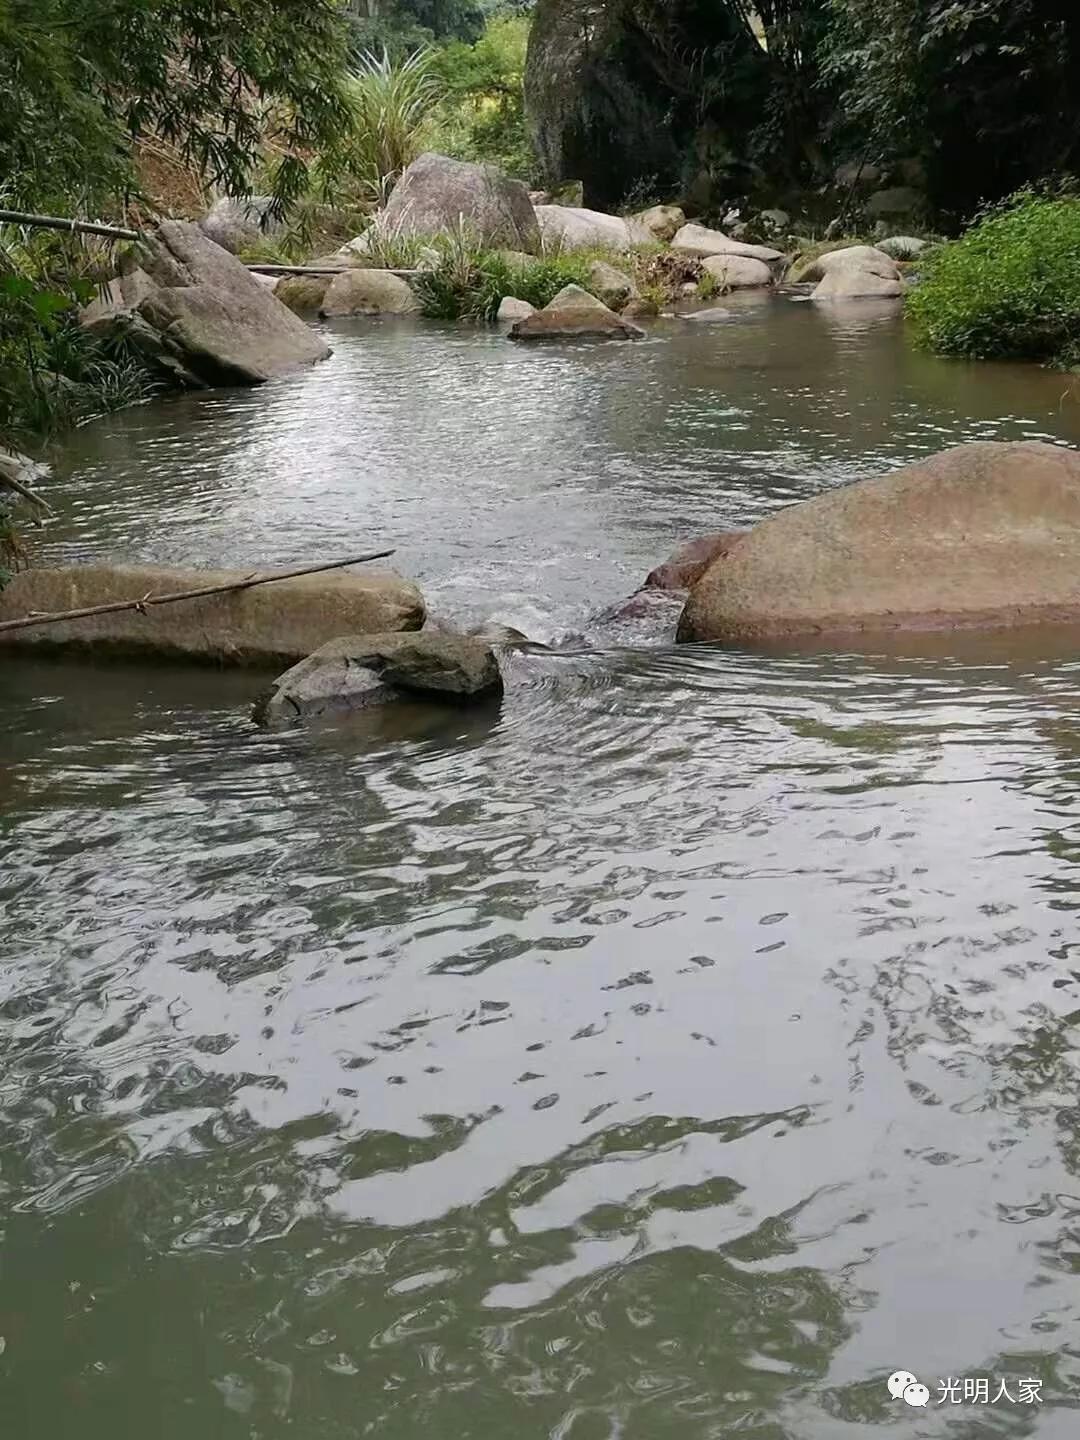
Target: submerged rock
point(701, 242)
point(368, 292)
point(436, 195)
point(264, 625)
point(575, 314)
point(566, 227)
point(352, 672)
point(200, 315)
point(983, 535)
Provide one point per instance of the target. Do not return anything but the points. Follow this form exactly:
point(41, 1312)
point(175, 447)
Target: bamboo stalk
point(77, 227)
point(113, 606)
point(268, 269)
point(11, 483)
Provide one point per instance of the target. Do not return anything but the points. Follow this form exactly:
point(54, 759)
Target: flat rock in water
point(984, 535)
point(575, 314)
point(437, 195)
point(205, 314)
point(368, 292)
point(303, 294)
point(446, 666)
point(265, 625)
point(865, 258)
point(699, 241)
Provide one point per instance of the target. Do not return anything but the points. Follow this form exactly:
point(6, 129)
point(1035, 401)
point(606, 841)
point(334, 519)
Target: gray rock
point(854, 284)
point(238, 224)
point(200, 315)
point(437, 195)
point(775, 220)
point(368, 292)
point(451, 667)
point(354, 672)
point(738, 272)
point(710, 316)
point(511, 309)
point(857, 173)
point(902, 247)
point(568, 227)
point(700, 241)
point(575, 314)
point(303, 294)
point(612, 286)
point(662, 221)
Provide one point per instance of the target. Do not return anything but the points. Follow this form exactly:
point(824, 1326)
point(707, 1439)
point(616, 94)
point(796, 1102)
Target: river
point(677, 1051)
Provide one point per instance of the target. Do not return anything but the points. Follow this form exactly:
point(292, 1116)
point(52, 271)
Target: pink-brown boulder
point(984, 535)
point(686, 567)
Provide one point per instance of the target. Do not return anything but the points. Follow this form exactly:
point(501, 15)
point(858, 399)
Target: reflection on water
point(677, 1052)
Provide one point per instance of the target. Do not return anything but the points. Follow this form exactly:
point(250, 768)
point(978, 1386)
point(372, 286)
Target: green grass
point(1010, 287)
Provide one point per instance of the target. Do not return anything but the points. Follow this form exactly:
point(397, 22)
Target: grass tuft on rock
point(1008, 288)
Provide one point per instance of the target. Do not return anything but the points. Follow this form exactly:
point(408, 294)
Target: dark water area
point(677, 1049)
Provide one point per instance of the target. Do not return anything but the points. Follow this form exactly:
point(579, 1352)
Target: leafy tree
point(983, 92)
point(80, 78)
point(403, 25)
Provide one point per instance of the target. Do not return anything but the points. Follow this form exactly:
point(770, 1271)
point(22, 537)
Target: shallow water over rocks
point(676, 1049)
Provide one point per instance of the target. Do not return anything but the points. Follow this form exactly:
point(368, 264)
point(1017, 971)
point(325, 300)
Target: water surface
point(675, 1050)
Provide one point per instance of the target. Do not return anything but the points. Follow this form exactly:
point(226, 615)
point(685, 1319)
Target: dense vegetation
point(1009, 287)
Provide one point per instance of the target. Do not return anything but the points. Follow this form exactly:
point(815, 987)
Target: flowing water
point(677, 1050)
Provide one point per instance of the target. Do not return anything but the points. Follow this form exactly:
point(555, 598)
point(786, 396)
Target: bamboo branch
point(25, 491)
point(151, 599)
point(76, 227)
point(261, 269)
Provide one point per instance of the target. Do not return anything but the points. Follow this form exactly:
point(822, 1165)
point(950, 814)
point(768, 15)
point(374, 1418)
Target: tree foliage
point(983, 92)
point(80, 78)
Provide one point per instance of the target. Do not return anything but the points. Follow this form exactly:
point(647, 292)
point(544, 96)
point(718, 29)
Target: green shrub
point(1009, 287)
point(390, 102)
point(470, 282)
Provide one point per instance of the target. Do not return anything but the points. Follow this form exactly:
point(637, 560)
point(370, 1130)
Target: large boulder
point(738, 272)
point(201, 315)
point(436, 195)
point(866, 258)
point(565, 227)
point(241, 223)
point(901, 200)
point(368, 292)
point(662, 221)
point(353, 672)
point(269, 624)
point(574, 314)
point(700, 241)
point(853, 284)
point(982, 535)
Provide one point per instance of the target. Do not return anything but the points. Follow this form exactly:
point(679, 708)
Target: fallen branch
point(150, 598)
point(10, 467)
